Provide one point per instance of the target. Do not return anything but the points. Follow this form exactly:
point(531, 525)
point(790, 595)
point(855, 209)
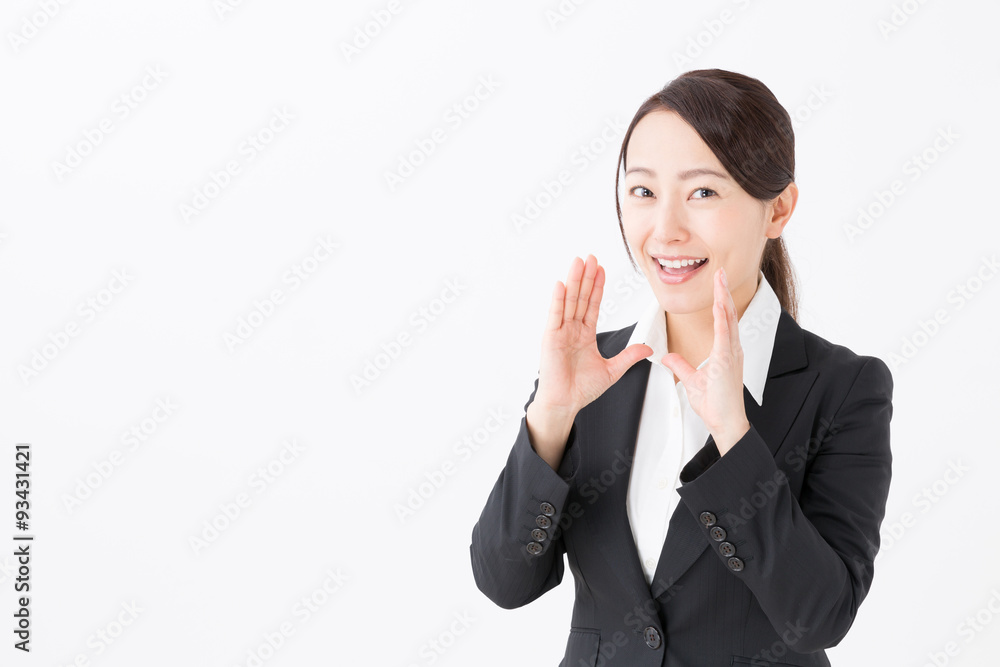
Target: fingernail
point(724, 278)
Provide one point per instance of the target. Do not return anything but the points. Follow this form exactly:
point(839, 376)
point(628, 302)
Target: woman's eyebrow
point(684, 175)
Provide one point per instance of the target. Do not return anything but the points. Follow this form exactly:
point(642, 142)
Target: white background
point(865, 102)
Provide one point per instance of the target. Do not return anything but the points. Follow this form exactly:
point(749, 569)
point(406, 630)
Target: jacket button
point(547, 509)
point(652, 637)
point(539, 535)
point(707, 519)
point(735, 564)
point(727, 548)
point(543, 521)
point(534, 548)
point(718, 533)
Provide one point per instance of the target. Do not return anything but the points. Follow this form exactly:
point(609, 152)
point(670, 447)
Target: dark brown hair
point(751, 135)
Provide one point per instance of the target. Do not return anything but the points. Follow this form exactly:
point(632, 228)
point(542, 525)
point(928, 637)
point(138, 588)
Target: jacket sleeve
point(517, 547)
point(808, 561)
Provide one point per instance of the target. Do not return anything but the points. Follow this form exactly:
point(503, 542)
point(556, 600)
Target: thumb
point(627, 358)
point(679, 365)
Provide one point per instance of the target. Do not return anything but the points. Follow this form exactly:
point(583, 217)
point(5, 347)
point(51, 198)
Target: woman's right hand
point(572, 372)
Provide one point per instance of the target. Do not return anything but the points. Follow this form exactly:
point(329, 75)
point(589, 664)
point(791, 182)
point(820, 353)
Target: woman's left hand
point(715, 391)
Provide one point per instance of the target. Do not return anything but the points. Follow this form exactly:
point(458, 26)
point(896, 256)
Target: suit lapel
point(784, 393)
point(616, 433)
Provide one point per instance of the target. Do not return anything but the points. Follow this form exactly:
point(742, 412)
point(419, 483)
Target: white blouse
point(670, 432)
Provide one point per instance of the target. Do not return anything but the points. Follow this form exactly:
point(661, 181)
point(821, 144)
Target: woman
point(720, 514)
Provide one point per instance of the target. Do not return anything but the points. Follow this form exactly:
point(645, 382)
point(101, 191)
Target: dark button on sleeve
point(727, 548)
point(707, 519)
point(547, 509)
point(539, 535)
point(534, 548)
point(735, 564)
point(543, 521)
point(718, 533)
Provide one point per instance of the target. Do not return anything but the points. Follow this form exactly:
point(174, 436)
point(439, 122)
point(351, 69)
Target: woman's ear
point(780, 210)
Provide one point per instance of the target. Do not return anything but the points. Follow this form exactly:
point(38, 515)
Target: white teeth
point(678, 263)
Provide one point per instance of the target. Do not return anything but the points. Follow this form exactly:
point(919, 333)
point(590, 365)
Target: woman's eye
point(640, 187)
point(703, 190)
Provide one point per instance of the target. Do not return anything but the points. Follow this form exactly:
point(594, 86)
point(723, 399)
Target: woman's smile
point(677, 271)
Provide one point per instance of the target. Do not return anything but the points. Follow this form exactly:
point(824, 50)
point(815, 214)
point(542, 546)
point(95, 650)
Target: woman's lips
point(673, 276)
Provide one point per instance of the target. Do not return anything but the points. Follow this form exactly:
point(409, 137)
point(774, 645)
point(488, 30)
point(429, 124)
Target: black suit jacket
point(769, 552)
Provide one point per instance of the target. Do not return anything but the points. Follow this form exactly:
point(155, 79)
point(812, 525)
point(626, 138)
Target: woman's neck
point(692, 335)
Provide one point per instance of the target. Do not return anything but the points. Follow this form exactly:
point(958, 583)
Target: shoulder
point(842, 370)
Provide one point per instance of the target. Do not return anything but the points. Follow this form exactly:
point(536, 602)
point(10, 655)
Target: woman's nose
point(670, 222)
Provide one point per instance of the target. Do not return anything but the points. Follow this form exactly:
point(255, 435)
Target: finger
point(594, 306)
point(731, 318)
point(734, 331)
point(627, 358)
point(555, 318)
point(586, 286)
point(734, 321)
point(572, 288)
point(678, 365)
point(721, 344)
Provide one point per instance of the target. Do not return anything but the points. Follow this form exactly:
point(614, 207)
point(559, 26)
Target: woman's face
point(673, 206)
